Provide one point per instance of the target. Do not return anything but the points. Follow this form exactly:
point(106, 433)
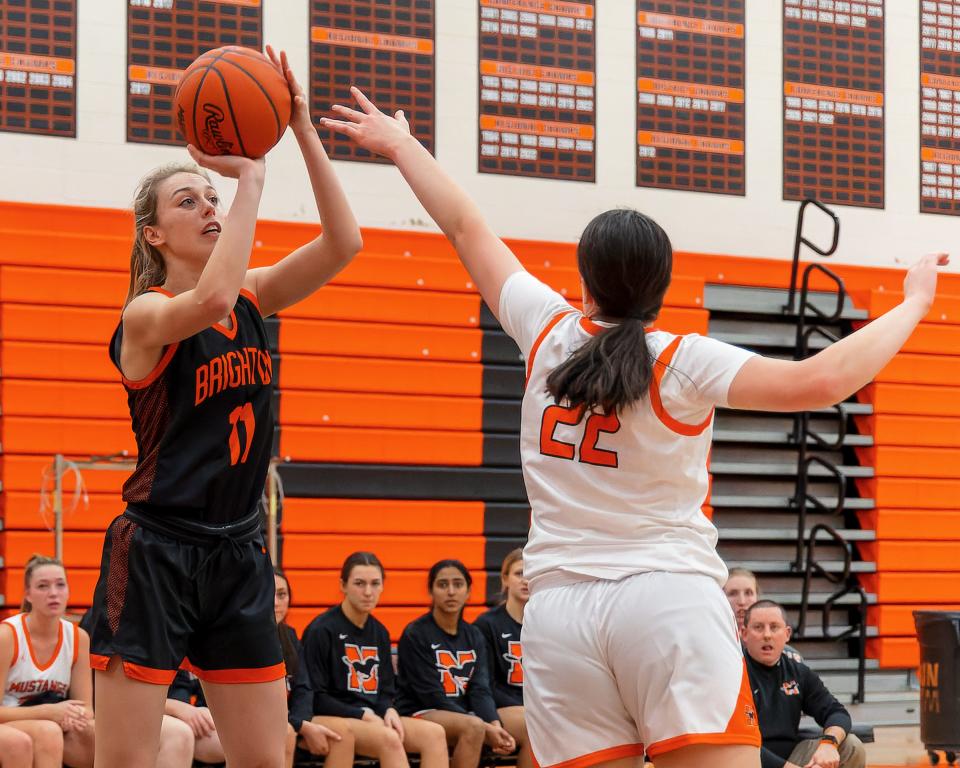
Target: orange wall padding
point(916, 431)
point(374, 363)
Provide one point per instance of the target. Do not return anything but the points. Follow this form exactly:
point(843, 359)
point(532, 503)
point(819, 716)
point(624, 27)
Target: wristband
point(829, 738)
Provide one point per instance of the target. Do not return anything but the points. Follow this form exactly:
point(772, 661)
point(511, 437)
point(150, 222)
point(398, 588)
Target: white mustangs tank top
point(29, 676)
point(612, 495)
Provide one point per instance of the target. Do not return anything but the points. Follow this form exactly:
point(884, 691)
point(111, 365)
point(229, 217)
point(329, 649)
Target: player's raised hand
point(369, 127)
point(920, 284)
point(229, 166)
point(300, 110)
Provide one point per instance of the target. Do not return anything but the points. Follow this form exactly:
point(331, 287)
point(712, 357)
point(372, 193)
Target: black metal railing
point(815, 320)
point(799, 239)
point(847, 584)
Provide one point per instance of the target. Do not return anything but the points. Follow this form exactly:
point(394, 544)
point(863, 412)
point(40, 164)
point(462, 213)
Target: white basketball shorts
point(649, 663)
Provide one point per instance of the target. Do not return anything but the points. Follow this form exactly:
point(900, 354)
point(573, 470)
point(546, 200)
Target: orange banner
point(690, 143)
point(532, 72)
point(356, 39)
point(846, 95)
point(692, 90)
point(579, 10)
point(940, 81)
point(156, 75)
point(940, 155)
point(27, 62)
point(248, 3)
point(537, 127)
point(689, 24)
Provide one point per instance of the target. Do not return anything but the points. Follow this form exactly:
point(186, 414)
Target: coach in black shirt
point(783, 689)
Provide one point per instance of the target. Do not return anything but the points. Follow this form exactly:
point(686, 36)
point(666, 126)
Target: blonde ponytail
point(147, 268)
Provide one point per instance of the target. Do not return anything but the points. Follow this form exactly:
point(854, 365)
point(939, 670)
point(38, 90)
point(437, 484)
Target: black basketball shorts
point(162, 603)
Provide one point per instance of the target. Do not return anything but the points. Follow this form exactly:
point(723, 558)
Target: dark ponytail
point(290, 656)
point(625, 259)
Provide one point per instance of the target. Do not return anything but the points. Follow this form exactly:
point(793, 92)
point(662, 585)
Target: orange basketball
point(232, 101)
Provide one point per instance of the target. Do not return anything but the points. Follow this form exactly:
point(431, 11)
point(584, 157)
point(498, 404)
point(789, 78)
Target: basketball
point(232, 101)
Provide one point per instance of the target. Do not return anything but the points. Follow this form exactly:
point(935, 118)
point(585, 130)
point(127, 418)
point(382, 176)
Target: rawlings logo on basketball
point(363, 663)
point(211, 128)
point(514, 657)
point(454, 670)
point(181, 120)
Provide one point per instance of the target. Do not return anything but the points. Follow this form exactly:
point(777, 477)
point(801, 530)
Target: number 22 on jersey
point(596, 424)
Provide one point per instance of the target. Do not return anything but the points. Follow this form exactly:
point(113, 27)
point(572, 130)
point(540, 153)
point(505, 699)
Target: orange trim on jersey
point(742, 728)
point(56, 651)
point(16, 641)
point(99, 662)
point(76, 644)
point(252, 297)
point(254, 675)
point(600, 756)
point(591, 327)
point(659, 369)
point(230, 332)
point(159, 368)
point(543, 334)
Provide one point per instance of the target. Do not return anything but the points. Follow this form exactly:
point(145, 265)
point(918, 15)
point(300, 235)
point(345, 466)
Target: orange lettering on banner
point(155, 75)
point(940, 81)
point(356, 39)
point(689, 143)
point(940, 155)
point(688, 24)
point(579, 10)
point(537, 127)
point(691, 90)
point(33, 63)
point(534, 72)
point(827, 93)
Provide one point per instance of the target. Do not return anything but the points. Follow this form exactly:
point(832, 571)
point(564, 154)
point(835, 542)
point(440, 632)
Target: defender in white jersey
point(45, 677)
point(629, 643)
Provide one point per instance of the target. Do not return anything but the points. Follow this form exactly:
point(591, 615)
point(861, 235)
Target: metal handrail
point(848, 585)
point(811, 321)
point(803, 498)
point(799, 240)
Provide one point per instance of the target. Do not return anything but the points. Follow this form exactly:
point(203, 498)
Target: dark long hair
point(625, 259)
point(360, 558)
point(290, 656)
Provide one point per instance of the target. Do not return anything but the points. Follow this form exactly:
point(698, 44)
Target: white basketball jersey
point(27, 676)
point(619, 494)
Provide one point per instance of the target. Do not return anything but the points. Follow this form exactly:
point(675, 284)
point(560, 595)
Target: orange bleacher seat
point(381, 446)
point(413, 551)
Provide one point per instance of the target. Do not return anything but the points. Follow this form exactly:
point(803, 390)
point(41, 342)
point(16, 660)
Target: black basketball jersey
point(350, 667)
point(203, 420)
point(504, 655)
point(442, 671)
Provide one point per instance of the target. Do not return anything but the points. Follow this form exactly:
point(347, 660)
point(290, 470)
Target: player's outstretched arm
point(486, 257)
point(306, 269)
point(831, 376)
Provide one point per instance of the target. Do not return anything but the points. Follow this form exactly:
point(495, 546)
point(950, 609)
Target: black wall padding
point(506, 519)
point(503, 381)
point(501, 415)
point(497, 347)
point(501, 450)
point(386, 481)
